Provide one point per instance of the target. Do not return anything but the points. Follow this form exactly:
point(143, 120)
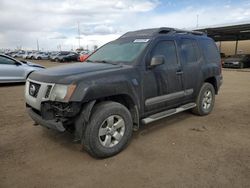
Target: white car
point(12, 70)
point(41, 55)
point(25, 56)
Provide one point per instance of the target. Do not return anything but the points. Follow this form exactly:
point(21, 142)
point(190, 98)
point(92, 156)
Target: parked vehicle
point(10, 53)
point(83, 56)
point(31, 55)
point(41, 55)
point(25, 56)
point(18, 54)
point(55, 55)
point(12, 70)
point(237, 61)
point(139, 78)
point(52, 54)
point(65, 57)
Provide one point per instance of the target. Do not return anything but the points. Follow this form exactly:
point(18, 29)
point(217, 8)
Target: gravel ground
point(180, 151)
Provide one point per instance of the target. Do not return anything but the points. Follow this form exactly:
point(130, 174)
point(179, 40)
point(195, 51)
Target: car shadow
point(162, 124)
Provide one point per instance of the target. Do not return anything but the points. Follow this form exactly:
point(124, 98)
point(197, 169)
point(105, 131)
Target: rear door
point(10, 71)
point(191, 60)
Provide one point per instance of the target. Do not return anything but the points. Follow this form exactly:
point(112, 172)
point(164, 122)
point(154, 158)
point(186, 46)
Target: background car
point(83, 56)
point(41, 55)
point(18, 54)
point(65, 56)
point(31, 55)
point(237, 61)
point(27, 53)
point(12, 70)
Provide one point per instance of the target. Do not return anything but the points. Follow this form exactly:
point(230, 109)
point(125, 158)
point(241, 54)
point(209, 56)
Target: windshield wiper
point(89, 61)
point(103, 61)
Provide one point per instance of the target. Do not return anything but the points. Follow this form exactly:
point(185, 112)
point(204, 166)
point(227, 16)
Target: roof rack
point(166, 30)
point(156, 31)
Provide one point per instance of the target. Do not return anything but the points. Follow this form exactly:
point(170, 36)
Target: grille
point(49, 87)
point(34, 89)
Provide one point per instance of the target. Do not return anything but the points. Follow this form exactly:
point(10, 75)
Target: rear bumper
point(219, 80)
point(51, 124)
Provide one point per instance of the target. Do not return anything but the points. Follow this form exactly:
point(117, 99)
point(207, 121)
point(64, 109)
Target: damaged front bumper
point(51, 124)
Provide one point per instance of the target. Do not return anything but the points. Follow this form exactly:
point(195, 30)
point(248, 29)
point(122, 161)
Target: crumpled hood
point(52, 75)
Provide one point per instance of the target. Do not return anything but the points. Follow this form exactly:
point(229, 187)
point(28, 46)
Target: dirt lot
point(180, 151)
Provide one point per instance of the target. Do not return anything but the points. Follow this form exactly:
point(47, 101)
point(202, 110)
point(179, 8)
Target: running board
point(167, 113)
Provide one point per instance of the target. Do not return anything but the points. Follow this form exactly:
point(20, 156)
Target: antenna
point(79, 34)
point(197, 21)
point(37, 44)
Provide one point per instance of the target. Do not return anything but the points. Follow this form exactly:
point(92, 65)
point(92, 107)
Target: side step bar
point(167, 113)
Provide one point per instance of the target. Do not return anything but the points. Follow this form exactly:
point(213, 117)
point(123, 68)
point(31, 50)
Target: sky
point(54, 23)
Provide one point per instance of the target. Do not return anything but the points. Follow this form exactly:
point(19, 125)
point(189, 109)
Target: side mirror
point(157, 60)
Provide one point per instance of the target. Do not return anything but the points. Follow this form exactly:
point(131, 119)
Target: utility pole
point(197, 20)
point(37, 44)
point(79, 34)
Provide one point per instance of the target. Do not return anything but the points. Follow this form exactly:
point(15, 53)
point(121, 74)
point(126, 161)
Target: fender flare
point(83, 119)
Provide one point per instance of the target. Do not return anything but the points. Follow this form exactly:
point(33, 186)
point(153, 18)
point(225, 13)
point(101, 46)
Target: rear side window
point(210, 50)
point(190, 50)
point(168, 50)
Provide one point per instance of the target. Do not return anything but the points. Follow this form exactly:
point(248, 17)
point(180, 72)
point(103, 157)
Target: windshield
point(119, 52)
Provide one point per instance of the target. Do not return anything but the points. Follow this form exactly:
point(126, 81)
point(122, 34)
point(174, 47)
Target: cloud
point(55, 22)
point(46, 20)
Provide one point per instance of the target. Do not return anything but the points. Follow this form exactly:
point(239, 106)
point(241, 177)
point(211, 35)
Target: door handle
point(179, 72)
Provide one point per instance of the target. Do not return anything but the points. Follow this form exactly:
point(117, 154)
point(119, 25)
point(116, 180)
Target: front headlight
point(62, 93)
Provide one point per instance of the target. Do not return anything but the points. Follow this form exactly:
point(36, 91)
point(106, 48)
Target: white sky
point(54, 22)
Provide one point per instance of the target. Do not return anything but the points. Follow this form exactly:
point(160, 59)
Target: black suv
point(139, 78)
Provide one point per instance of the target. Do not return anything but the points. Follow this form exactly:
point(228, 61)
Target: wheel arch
point(212, 80)
point(128, 102)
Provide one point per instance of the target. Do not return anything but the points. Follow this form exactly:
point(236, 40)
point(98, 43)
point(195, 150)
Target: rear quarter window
point(210, 51)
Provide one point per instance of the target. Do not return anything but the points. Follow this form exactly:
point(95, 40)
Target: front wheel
point(205, 100)
point(109, 130)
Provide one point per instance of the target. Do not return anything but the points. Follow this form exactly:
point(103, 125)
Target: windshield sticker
point(141, 40)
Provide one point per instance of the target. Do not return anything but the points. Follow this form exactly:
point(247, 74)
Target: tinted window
point(189, 50)
point(6, 61)
point(168, 50)
point(210, 51)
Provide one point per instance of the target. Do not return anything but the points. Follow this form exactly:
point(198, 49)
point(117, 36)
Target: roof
point(156, 31)
point(238, 31)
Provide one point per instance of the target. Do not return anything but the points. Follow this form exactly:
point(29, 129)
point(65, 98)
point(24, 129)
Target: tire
point(57, 60)
point(205, 100)
point(39, 58)
point(99, 140)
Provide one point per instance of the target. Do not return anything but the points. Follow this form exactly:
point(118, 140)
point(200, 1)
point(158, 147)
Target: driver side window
point(6, 61)
point(168, 50)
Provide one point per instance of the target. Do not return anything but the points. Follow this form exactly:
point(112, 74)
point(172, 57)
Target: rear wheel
point(205, 100)
point(109, 130)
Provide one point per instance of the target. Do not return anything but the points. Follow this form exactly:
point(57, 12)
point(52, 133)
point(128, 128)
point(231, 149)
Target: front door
point(10, 71)
point(163, 84)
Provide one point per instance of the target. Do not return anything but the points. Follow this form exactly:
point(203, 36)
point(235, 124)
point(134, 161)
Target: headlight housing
point(62, 93)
